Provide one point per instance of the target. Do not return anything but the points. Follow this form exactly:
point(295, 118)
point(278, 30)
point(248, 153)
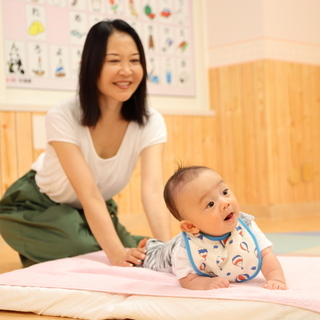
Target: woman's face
point(122, 71)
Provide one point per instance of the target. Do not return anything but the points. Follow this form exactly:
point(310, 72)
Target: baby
point(218, 244)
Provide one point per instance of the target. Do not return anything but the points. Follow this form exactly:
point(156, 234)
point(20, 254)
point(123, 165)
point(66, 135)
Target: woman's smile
point(123, 84)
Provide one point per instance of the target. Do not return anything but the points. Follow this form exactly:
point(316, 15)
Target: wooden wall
point(190, 141)
point(268, 129)
point(264, 139)
point(16, 146)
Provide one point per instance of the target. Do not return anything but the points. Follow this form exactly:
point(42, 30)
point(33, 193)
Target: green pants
point(41, 230)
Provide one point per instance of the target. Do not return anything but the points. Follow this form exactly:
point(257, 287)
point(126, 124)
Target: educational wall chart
point(43, 41)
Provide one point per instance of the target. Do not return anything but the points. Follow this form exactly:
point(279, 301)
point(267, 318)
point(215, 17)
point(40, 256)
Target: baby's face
point(208, 204)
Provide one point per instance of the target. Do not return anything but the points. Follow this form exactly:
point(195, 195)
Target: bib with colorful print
point(234, 256)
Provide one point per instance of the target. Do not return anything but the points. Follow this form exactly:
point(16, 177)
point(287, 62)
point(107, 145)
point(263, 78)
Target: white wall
point(293, 20)
point(42, 100)
point(234, 21)
point(247, 30)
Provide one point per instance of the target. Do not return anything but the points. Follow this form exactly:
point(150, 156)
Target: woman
point(63, 207)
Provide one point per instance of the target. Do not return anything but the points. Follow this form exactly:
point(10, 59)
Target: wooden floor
point(10, 260)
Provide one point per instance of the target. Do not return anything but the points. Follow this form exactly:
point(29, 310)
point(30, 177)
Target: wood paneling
point(24, 149)
point(264, 138)
point(8, 149)
point(268, 117)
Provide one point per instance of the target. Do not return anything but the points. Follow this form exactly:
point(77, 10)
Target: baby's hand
point(217, 283)
point(196, 282)
point(275, 285)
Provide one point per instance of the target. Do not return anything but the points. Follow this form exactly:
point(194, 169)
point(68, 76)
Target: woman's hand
point(132, 257)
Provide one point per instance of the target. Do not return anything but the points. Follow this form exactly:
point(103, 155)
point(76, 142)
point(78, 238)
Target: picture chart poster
point(43, 41)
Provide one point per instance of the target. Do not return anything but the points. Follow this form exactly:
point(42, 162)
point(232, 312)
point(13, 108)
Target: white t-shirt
point(181, 265)
point(63, 123)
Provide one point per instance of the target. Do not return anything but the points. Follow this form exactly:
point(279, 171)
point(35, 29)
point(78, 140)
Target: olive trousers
point(40, 229)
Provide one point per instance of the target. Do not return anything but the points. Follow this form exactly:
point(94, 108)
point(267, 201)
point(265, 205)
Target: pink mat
point(92, 272)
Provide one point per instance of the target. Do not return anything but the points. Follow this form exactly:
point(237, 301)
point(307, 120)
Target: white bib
point(235, 256)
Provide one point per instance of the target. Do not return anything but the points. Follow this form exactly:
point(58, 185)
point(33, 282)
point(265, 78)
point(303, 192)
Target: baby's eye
point(210, 204)
point(225, 192)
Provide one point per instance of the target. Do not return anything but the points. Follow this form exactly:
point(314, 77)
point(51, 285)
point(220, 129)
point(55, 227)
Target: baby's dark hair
point(181, 176)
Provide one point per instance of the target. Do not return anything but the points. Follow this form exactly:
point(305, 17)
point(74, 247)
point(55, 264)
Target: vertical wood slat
point(307, 133)
point(315, 134)
point(249, 132)
point(288, 145)
point(260, 119)
point(194, 140)
point(237, 126)
point(23, 127)
point(224, 127)
point(210, 146)
point(294, 126)
point(36, 152)
point(9, 160)
point(1, 156)
point(278, 131)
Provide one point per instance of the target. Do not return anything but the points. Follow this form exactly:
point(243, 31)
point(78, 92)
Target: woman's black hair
point(93, 57)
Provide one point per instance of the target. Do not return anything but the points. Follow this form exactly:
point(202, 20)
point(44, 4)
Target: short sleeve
point(263, 241)
point(62, 124)
point(155, 131)
point(181, 265)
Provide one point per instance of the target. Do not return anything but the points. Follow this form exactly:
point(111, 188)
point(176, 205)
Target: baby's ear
point(189, 227)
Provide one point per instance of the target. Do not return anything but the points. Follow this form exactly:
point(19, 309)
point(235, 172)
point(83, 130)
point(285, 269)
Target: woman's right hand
point(132, 257)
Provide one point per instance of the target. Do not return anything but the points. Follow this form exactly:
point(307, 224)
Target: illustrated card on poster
point(43, 41)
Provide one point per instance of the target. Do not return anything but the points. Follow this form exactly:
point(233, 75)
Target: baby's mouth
point(229, 216)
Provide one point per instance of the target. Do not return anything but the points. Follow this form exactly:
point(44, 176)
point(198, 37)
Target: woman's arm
point(272, 271)
point(94, 206)
point(152, 192)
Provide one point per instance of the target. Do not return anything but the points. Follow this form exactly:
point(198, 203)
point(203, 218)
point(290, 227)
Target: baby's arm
point(272, 271)
point(196, 282)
